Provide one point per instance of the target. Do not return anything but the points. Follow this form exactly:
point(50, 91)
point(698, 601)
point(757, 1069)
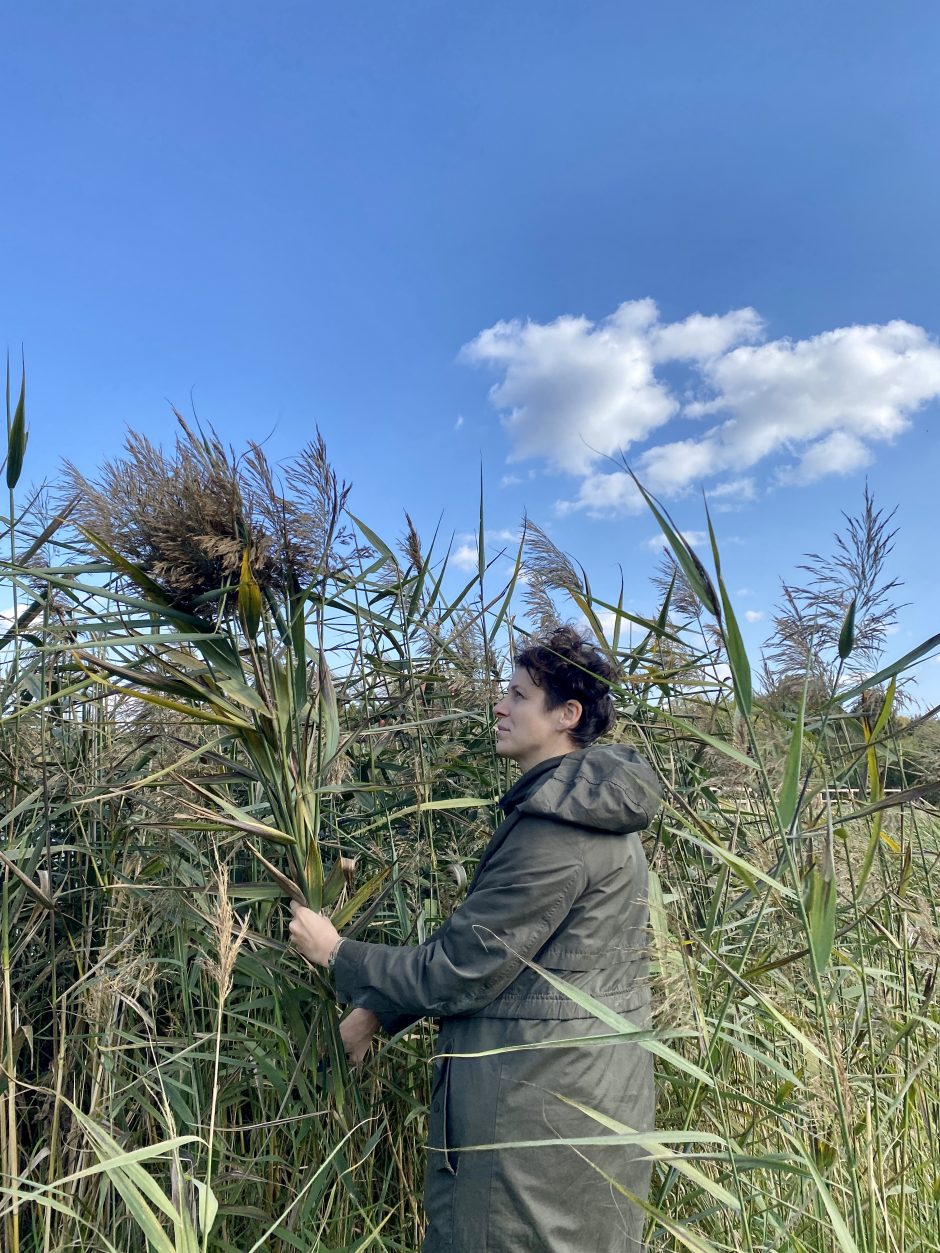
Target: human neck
point(535, 758)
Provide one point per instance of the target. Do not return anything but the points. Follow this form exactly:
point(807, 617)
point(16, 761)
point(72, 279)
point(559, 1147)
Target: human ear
point(571, 713)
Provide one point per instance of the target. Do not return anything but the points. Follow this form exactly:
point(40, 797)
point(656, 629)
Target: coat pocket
point(440, 1139)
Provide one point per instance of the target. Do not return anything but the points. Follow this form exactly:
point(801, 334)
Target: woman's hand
point(316, 937)
point(312, 933)
point(356, 1031)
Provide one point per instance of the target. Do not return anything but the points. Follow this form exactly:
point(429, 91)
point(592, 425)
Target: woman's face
point(528, 732)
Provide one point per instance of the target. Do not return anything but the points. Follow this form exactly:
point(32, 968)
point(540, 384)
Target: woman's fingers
point(312, 933)
point(357, 1049)
point(357, 1055)
point(301, 911)
point(302, 927)
point(356, 1031)
point(303, 919)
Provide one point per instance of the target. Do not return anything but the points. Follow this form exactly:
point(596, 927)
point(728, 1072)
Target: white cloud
point(738, 489)
point(695, 539)
point(824, 398)
point(671, 467)
point(608, 622)
point(754, 615)
point(572, 391)
point(509, 480)
point(465, 557)
point(459, 423)
point(604, 496)
point(838, 453)
point(699, 338)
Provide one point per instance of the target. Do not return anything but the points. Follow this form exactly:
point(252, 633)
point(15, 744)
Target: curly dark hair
point(567, 667)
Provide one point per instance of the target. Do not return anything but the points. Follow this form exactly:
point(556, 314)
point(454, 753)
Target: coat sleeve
point(517, 904)
point(392, 1023)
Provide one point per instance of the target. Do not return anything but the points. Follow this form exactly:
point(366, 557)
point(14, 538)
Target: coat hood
point(607, 787)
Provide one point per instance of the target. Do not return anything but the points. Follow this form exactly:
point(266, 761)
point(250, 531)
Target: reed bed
point(303, 705)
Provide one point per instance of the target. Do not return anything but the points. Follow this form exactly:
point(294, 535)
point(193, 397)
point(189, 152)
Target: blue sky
point(455, 235)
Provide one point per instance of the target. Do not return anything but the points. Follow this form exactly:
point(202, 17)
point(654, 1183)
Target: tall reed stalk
point(308, 705)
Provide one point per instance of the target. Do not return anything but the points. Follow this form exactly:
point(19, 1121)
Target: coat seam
point(493, 1155)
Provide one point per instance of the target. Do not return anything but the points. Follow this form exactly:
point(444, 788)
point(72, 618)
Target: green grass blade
point(840, 1229)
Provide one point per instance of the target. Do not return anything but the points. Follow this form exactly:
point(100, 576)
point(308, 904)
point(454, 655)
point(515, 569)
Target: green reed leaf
point(17, 436)
point(695, 573)
point(731, 634)
point(885, 712)
point(375, 540)
point(847, 634)
point(249, 598)
point(821, 914)
point(788, 797)
point(888, 672)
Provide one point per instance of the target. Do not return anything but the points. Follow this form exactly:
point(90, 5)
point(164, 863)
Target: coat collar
point(524, 786)
point(520, 790)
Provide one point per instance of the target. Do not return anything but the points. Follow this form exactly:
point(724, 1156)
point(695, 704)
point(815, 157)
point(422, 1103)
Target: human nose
point(500, 710)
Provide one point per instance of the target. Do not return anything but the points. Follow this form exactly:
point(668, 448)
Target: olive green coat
point(562, 883)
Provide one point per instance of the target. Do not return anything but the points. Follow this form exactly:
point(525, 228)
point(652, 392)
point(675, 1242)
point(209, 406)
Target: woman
point(562, 883)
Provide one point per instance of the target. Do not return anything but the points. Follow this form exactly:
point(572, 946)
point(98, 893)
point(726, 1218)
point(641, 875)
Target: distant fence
point(828, 793)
